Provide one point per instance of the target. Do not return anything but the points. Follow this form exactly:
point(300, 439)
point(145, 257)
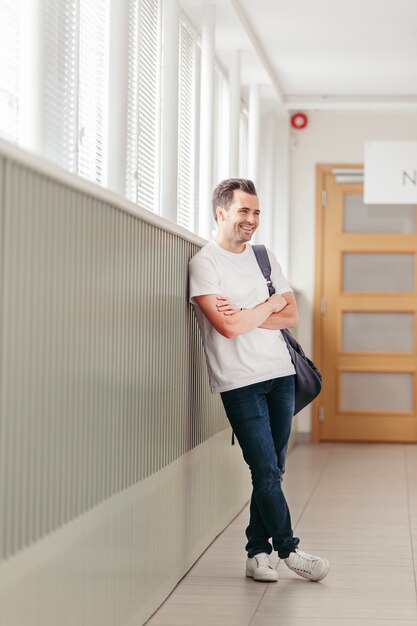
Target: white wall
point(330, 137)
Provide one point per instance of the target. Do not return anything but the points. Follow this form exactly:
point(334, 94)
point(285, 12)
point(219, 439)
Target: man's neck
point(231, 246)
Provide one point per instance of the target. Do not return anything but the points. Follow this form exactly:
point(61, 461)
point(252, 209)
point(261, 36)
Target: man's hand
point(230, 321)
point(278, 301)
point(225, 306)
point(286, 317)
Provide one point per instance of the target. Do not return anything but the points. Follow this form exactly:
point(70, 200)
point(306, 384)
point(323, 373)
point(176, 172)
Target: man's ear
point(220, 213)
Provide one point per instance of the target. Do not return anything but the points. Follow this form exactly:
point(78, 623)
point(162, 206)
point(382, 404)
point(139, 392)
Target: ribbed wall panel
point(103, 379)
point(114, 565)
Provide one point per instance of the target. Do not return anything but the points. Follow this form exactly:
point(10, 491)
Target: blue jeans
point(261, 416)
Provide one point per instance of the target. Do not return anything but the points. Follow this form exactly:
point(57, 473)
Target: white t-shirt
point(256, 356)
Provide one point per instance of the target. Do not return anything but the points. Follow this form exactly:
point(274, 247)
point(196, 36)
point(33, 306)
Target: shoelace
point(300, 558)
point(263, 561)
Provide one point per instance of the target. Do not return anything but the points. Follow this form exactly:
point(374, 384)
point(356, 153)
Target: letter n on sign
point(390, 172)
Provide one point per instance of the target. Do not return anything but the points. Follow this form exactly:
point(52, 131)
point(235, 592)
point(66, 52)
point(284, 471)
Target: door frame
point(322, 169)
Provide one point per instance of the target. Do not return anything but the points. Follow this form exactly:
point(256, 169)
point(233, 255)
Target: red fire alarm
point(299, 120)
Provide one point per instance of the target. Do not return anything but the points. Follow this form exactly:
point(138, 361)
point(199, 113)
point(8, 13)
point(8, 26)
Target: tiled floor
point(354, 504)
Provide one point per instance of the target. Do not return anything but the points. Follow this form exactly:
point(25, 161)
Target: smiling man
point(250, 366)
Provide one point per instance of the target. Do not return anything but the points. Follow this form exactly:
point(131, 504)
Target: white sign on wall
point(390, 175)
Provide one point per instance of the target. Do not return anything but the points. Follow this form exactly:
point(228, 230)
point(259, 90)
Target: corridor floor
point(355, 504)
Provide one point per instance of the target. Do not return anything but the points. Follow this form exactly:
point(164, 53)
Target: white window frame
point(188, 125)
point(243, 141)
point(144, 104)
point(9, 69)
point(220, 125)
point(75, 85)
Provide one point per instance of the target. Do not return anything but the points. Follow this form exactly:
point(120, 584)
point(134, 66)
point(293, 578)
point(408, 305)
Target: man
point(250, 366)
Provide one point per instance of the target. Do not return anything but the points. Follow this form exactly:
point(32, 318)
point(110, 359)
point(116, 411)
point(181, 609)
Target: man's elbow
point(294, 322)
point(229, 330)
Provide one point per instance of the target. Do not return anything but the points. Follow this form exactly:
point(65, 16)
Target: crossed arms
point(279, 311)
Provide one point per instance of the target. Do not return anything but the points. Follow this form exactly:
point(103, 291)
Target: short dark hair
point(223, 193)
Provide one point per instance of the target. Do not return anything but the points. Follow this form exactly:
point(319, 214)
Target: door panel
point(376, 392)
point(366, 315)
point(381, 271)
point(376, 218)
point(375, 331)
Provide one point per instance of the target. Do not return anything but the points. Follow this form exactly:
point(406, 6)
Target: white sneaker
point(308, 566)
point(259, 568)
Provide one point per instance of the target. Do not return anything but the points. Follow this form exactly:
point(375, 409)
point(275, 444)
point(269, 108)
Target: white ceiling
point(321, 53)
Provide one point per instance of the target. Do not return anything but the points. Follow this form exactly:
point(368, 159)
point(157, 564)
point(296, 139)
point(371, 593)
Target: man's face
point(239, 222)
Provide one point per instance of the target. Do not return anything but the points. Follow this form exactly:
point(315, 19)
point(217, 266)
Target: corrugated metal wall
point(103, 380)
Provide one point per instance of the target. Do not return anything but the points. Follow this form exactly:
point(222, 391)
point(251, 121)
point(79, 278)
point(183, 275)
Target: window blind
point(93, 47)
point(9, 69)
point(76, 43)
point(60, 83)
point(144, 103)
point(221, 123)
point(188, 125)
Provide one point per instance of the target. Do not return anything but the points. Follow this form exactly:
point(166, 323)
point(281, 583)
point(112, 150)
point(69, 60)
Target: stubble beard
point(244, 235)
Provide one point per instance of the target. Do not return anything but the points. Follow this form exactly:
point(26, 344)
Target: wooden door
point(365, 331)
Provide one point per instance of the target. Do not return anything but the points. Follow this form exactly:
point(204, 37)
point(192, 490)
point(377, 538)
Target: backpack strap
point(262, 257)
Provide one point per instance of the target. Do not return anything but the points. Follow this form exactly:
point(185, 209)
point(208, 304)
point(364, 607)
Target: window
point(144, 104)
point(75, 89)
point(70, 67)
point(93, 47)
point(221, 126)
point(188, 125)
point(9, 69)
point(243, 142)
